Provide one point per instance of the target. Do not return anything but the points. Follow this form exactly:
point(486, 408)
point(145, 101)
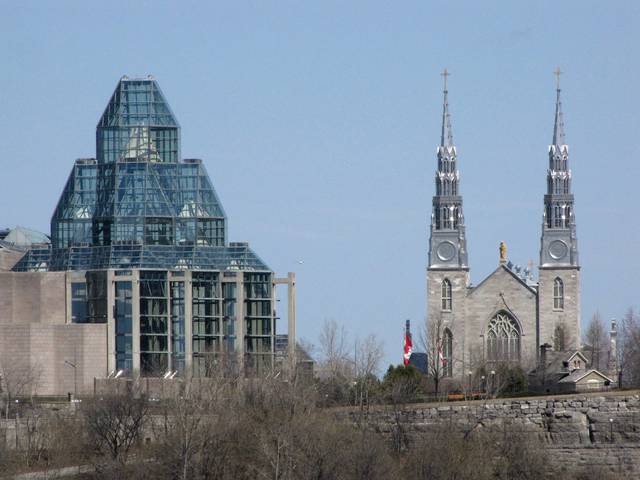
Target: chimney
point(543, 354)
point(542, 367)
point(613, 349)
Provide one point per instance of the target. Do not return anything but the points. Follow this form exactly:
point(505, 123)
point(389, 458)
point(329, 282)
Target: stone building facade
point(504, 319)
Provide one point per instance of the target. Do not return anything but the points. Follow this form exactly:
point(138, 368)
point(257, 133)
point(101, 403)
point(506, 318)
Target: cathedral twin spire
point(448, 242)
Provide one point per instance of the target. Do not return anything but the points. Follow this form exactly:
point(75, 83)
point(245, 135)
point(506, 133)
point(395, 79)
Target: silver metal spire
point(447, 244)
point(446, 139)
point(558, 126)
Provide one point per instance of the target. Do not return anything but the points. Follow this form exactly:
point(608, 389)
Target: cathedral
point(507, 318)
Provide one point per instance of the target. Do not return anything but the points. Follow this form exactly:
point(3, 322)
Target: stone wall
point(501, 291)
point(569, 317)
point(599, 431)
point(32, 297)
point(454, 320)
point(36, 340)
point(9, 257)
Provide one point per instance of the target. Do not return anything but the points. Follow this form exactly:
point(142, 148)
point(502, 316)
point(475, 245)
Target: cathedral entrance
point(503, 339)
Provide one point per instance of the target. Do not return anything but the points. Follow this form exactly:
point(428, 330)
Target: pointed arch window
point(503, 339)
point(446, 218)
point(447, 353)
point(446, 295)
point(558, 216)
point(558, 294)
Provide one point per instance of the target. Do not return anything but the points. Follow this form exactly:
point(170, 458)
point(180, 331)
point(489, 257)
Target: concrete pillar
point(188, 324)
point(241, 323)
point(111, 322)
point(135, 323)
point(67, 303)
point(290, 282)
point(291, 315)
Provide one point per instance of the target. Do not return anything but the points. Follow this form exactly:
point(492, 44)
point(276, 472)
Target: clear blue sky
point(318, 124)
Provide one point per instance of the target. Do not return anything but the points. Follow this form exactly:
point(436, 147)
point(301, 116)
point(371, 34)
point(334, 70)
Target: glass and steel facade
point(147, 232)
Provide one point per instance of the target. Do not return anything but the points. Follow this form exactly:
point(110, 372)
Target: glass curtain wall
point(71, 221)
point(123, 326)
point(177, 327)
point(206, 321)
point(97, 297)
point(154, 323)
point(259, 321)
point(79, 312)
point(229, 312)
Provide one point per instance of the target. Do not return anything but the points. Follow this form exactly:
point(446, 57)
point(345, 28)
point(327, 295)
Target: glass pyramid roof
point(137, 204)
point(137, 102)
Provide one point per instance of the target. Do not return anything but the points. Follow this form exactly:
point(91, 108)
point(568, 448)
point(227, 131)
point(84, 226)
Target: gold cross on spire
point(445, 74)
point(557, 72)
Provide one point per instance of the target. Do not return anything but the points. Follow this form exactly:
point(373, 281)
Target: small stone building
point(566, 372)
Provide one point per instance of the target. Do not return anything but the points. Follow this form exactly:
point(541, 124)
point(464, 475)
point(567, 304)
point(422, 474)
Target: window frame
point(446, 296)
point(558, 294)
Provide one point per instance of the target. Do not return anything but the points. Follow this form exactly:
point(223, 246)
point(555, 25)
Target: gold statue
point(503, 252)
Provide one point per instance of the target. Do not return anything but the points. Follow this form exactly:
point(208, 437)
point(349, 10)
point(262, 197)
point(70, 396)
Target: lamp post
point(493, 383)
point(484, 386)
point(611, 430)
point(75, 377)
point(470, 389)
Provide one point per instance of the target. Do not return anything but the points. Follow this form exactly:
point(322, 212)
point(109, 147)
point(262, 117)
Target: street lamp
point(75, 378)
point(611, 430)
point(493, 378)
point(484, 385)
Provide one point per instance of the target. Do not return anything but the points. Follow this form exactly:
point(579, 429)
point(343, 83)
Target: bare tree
point(17, 381)
point(628, 350)
point(434, 345)
point(368, 354)
point(115, 423)
point(194, 421)
point(335, 366)
point(596, 341)
point(334, 350)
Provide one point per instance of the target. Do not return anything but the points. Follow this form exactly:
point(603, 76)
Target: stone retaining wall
point(599, 431)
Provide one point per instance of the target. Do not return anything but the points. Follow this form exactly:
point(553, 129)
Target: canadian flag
point(408, 345)
point(443, 361)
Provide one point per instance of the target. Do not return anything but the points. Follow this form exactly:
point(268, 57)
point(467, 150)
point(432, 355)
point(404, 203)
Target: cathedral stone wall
point(454, 320)
point(569, 317)
point(501, 291)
